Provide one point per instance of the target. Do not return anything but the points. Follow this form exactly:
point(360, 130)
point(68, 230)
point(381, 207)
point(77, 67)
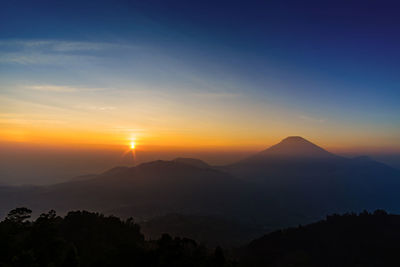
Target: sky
point(200, 75)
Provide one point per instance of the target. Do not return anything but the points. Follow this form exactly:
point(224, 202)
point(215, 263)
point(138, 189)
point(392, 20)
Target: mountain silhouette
point(150, 189)
point(294, 181)
point(193, 162)
point(297, 156)
point(292, 148)
point(292, 157)
point(295, 146)
point(304, 179)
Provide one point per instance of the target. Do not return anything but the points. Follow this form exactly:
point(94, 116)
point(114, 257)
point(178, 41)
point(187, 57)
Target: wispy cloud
point(52, 52)
point(61, 88)
point(96, 108)
point(57, 45)
point(216, 95)
point(126, 129)
point(311, 119)
point(39, 58)
point(26, 119)
point(52, 88)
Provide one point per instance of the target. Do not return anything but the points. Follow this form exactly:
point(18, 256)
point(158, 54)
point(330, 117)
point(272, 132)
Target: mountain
point(303, 178)
point(296, 159)
point(296, 147)
point(347, 240)
point(292, 156)
point(292, 182)
point(193, 162)
point(150, 189)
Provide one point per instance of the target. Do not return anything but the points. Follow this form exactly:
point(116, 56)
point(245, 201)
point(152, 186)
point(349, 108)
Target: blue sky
point(261, 69)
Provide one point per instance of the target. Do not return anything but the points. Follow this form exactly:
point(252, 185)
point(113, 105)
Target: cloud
point(97, 108)
point(216, 95)
point(52, 88)
point(62, 88)
point(39, 58)
point(52, 52)
point(26, 119)
point(311, 119)
point(126, 129)
point(56, 45)
point(80, 46)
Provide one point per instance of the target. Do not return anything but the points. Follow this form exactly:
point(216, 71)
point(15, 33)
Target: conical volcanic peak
point(294, 139)
point(296, 146)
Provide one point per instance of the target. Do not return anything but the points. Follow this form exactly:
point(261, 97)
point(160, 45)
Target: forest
point(83, 238)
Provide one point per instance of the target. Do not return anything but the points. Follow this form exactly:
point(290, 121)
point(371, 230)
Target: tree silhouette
point(19, 215)
point(89, 239)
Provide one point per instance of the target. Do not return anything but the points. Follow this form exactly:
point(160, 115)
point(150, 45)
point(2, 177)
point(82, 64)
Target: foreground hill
point(348, 240)
point(87, 239)
point(211, 231)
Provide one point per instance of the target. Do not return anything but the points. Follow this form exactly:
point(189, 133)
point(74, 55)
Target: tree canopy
point(84, 238)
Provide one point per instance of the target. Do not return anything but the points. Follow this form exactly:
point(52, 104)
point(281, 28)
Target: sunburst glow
point(133, 145)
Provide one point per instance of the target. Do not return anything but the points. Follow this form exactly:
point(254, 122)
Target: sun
point(133, 145)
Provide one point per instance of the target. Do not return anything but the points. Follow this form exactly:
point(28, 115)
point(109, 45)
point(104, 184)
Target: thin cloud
point(216, 95)
point(52, 88)
point(39, 58)
point(61, 88)
point(311, 119)
point(97, 108)
point(126, 129)
point(80, 46)
point(58, 46)
point(30, 121)
point(25, 119)
point(52, 52)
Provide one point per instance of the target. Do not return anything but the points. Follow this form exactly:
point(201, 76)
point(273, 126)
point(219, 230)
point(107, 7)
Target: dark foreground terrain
point(340, 240)
point(90, 239)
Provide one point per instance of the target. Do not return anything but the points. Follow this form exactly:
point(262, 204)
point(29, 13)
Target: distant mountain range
point(292, 182)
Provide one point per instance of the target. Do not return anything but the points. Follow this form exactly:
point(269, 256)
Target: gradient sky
point(238, 74)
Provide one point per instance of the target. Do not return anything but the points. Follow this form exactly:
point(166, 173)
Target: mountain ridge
point(255, 191)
